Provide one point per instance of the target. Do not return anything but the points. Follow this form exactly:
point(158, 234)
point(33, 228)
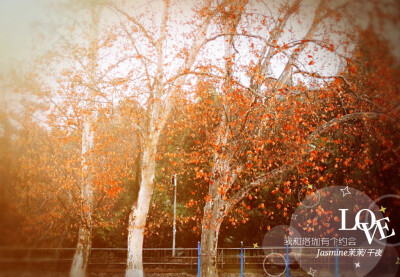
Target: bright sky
point(17, 18)
point(20, 21)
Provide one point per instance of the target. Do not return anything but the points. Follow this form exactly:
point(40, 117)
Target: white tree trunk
point(138, 216)
point(212, 218)
point(209, 239)
point(82, 252)
point(81, 257)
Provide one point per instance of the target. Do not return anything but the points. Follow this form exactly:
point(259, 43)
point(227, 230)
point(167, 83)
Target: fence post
point(337, 262)
point(287, 261)
point(241, 260)
point(174, 223)
point(198, 259)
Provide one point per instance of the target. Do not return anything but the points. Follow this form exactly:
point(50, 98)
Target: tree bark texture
point(138, 216)
point(82, 252)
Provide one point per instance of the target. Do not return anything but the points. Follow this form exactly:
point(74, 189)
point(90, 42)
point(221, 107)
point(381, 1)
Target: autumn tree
point(163, 55)
point(81, 257)
point(8, 176)
point(80, 170)
point(261, 130)
point(259, 104)
point(48, 188)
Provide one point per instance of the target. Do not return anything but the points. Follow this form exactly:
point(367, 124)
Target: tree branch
point(135, 22)
point(243, 192)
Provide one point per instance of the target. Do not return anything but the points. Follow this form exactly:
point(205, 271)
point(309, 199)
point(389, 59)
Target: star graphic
point(294, 216)
point(383, 209)
point(345, 191)
point(357, 265)
point(255, 245)
point(310, 186)
point(312, 272)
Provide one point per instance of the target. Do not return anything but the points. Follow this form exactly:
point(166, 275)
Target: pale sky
point(17, 20)
point(21, 21)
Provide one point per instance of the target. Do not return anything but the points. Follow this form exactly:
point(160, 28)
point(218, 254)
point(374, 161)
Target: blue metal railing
point(246, 258)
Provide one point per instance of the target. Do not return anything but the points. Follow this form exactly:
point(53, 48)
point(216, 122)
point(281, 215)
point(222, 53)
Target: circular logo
point(338, 227)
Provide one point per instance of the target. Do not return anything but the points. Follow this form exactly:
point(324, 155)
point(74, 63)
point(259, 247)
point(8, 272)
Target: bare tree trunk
point(138, 216)
point(82, 252)
point(213, 216)
point(81, 257)
point(209, 239)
